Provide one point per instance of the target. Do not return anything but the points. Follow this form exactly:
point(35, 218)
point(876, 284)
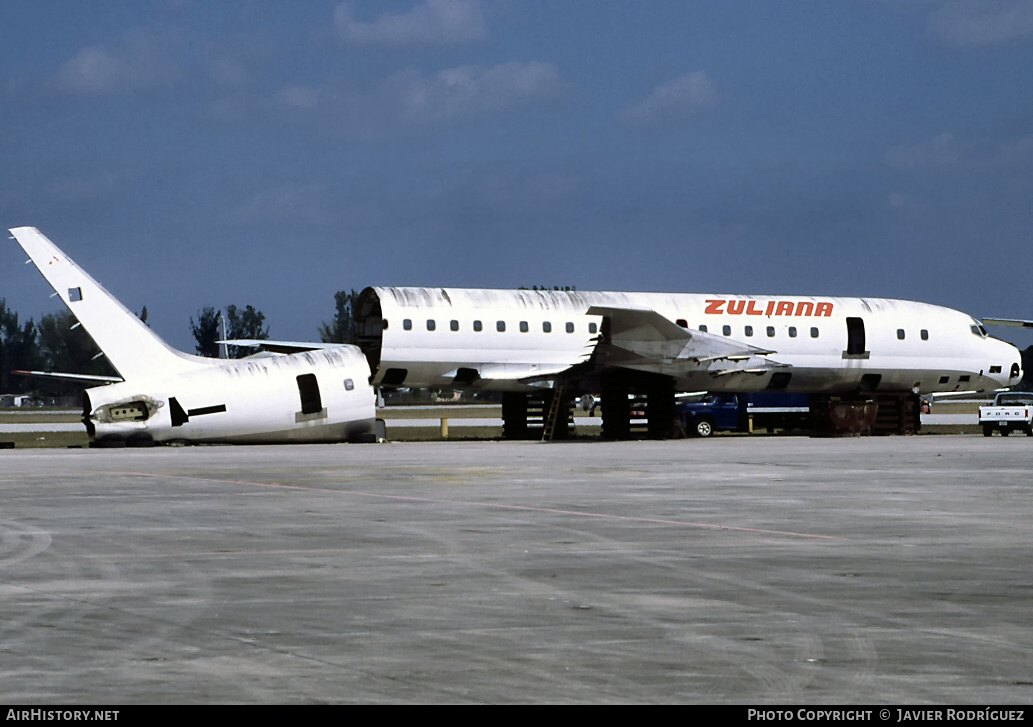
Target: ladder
point(549, 426)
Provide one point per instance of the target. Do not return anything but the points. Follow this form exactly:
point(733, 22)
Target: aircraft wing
point(1011, 322)
point(644, 339)
point(531, 374)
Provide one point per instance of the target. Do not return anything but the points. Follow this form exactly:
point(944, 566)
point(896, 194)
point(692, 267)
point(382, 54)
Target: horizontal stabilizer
point(86, 378)
point(279, 346)
point(1010, 322)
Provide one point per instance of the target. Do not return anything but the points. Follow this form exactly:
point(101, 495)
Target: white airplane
point(165, 395)
point(513, 340)
point(592, 342)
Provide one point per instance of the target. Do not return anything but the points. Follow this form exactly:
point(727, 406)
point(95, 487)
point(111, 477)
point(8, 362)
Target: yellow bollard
point(444, 428)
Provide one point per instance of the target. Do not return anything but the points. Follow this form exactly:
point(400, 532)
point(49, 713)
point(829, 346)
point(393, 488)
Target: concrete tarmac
point(755, 570)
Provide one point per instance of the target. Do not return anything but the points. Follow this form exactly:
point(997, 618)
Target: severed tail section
point(131, 347)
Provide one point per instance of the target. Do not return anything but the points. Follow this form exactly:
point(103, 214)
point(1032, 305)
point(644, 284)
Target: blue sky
point(192, 153)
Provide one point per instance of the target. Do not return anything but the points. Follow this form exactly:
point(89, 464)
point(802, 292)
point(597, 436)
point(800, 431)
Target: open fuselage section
point(317, 396)
point(514, 339)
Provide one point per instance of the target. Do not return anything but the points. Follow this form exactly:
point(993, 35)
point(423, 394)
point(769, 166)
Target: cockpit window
point(979, 330)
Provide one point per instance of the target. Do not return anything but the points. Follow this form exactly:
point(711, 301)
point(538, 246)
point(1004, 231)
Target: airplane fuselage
point(317, 396)
point(512, 339)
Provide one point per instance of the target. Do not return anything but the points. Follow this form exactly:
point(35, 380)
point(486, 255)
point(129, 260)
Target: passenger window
point(500, 326)
point(570, 327)
point(477, 326)
point(407, 324)
point(727, 330)
point(383, 324)
point(749, 330)
point(592, 328)
point(546, 327)
point(771, 331)
point(814, 333)
point(431, 325)
point(703, 328)
point(900, 334)
point(925, 335)
point(454, 325)
point(348, 385)
point(523, 327)
point(682, 322)
point(792, 331)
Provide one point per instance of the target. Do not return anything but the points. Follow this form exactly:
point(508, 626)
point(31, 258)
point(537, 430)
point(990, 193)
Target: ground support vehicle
point(702, 414)
point(1012, 411)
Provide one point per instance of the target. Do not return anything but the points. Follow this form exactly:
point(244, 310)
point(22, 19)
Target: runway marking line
point(494, 505)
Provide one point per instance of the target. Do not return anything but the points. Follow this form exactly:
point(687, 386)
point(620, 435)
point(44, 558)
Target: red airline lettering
point(717, 306)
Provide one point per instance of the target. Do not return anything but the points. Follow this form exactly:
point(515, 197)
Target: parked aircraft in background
point(658, 343)
point(169, 396)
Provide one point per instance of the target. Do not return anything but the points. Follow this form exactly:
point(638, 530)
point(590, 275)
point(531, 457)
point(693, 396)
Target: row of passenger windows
point(500, 326)
point(770, 330)
point(726, 330)
point(748, 330)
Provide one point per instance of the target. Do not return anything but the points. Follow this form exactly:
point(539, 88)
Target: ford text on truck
point(1012, 411)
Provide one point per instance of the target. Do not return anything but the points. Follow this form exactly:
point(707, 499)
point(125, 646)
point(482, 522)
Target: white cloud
point(944, 151)
point(140, 63)
point(83, 188)
point(471, 90)
point(228, 72)
point(285, 203)
point(1016, 152)
point(938, 151)
point(297, 97)
point(413, 98)
point(976, 23)
point(428, 23)
point(684, 97)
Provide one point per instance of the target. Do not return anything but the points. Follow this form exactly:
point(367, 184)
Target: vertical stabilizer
point(131, 347)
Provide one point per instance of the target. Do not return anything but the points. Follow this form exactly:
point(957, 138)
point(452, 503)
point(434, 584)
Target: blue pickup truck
point(703, 414)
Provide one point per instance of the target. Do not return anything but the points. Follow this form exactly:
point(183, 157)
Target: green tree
point(244, 324)
point(342, 328)
point(66, 347)
point(18, 350)
point(206, 332)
